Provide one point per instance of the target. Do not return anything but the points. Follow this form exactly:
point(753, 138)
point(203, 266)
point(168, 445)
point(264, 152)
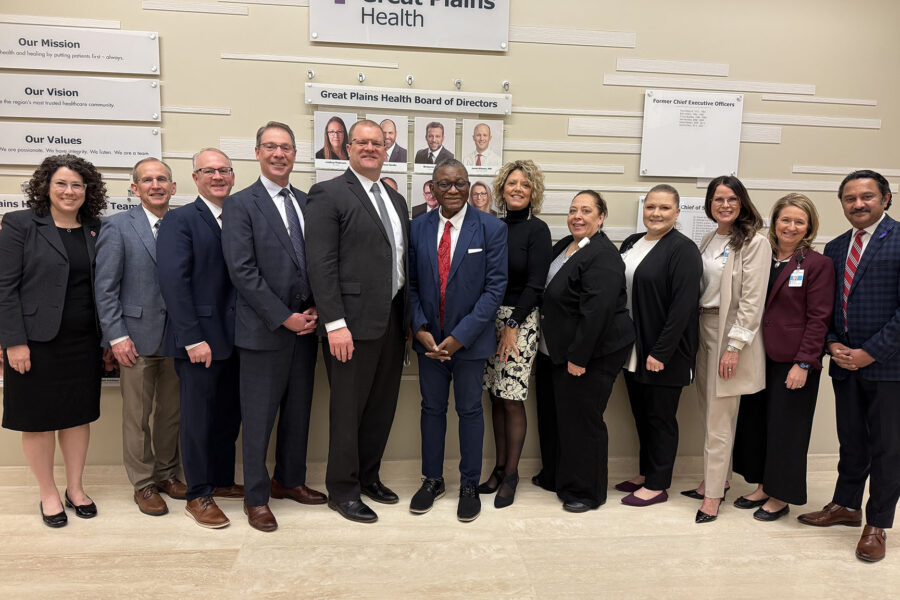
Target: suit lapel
point(47, 229)
point(266, 206)
point(361, 195)
point(208, 218)
point(431, 230)
point(466, 233)
point(782, 278)
point(883, 230)
point(141, 226)
point(90, 237)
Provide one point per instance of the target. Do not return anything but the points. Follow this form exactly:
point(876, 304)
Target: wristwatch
point(512, 323)
point(730, 348)
point(803, 365)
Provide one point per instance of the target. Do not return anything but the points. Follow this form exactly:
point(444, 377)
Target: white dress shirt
point(275, 192)
point(489, 158)
point(456, 222)
point(870, 231)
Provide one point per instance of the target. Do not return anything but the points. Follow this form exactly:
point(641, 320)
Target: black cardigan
point(665, 296)
point(584, 314)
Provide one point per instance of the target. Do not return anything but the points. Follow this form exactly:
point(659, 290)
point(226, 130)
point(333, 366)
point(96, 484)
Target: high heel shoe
point(58, 520)
point(510, 481)
point(695, 495)
point(85, 511)
point(497, 474)
point(702, 517)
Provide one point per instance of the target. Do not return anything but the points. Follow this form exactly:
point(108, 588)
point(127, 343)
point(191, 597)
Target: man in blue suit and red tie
point(457, 273)
point(864, 343)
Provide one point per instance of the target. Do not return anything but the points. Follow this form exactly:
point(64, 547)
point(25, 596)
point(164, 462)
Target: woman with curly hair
point(48, 326)
point(519, 193)
point(335, 146)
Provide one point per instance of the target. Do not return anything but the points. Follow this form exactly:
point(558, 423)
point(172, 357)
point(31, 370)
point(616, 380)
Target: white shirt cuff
point(340, 323)
point(192, 346)
point(117, 340)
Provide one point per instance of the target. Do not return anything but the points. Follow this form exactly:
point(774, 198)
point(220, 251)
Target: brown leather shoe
point(206, 513)
point(832, 514)
point(232, 492)
point(872, 544)
point(301, 494)
point(173, 487)
point(260, 517)
point(149, 501)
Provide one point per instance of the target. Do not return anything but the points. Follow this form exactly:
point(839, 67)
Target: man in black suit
point(435, 153)
point(430, 201)
point(392, 150)
point(199, 335)
point(357, 245)
point(265, 251)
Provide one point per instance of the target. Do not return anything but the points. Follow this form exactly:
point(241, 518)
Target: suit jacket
point(475, 285)
point(422, 156)
point(796, 319)
point(419, 209)
point(126, 286)
point(584, 314)
point(397, 154)
point(350, 256)
point(873, 304)
point(745, 279)
point(194, 282)
point(263, 267)
point(665, 294)
point(34, 271)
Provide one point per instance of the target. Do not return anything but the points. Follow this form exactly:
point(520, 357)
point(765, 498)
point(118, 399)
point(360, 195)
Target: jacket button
point(297, 296)
point(162, 311)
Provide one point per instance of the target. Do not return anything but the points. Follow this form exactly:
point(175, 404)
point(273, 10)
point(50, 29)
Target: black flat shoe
point(576, 506)
point(702, 517)
point(745, 503)
point(509, 482)
point(762, 514)
point(85, 511)
point(56, 521)
point(486, 488)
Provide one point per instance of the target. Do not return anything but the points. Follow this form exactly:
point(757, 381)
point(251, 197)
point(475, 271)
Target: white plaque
point(24, 143)
point(47, 48)
point(404, 99)
point(690, 134)
point(77, 97)
point(464, 24)
point(692, 220)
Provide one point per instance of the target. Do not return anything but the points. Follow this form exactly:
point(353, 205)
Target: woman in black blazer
point(48, 326)
point(663, 269)
point(587, 335)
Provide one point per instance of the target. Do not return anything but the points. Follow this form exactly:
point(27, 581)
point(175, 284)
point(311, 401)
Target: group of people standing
point(213, 312)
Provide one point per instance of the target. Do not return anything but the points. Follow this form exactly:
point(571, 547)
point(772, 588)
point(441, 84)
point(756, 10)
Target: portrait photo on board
point(396, 139)
point(434, 140)
point(482, 145)
point(330, 138)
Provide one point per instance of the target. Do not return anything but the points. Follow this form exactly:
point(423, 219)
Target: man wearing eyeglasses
point(200, 301)
point(133, 316)
point(263, 240)
point(358, 240)
point(458, 273)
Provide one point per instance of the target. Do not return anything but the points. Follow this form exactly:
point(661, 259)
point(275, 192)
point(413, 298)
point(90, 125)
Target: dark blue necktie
point(296, 234)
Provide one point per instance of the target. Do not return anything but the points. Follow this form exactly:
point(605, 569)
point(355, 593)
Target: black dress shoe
point(432, 489)
point(58, 520)
point(354, 510)
point(85, 511)
point(742, 502)
point(702, 517)
point(576, 506)
point(762, 514)
point(379, 492)
point(469, 506)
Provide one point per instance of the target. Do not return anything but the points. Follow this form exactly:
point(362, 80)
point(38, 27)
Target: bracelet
point(730, 348)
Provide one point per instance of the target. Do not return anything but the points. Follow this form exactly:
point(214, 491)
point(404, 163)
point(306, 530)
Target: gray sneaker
point(423, 500)
point(469, 504)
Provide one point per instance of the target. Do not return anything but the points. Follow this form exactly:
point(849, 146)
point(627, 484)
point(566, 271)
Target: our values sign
point(40, 47)
point(406, 99)
point(26, 143)
point(463, 24)
point(78, 97)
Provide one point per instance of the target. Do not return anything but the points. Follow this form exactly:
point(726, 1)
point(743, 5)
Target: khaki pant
point(718, 414)
point(150, 386)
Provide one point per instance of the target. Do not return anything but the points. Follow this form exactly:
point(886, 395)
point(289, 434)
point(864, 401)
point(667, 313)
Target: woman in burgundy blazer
point(774, 425)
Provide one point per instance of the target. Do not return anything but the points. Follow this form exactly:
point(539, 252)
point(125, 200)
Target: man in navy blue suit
point(199, 335)
point(457, 272)
point(864, 344)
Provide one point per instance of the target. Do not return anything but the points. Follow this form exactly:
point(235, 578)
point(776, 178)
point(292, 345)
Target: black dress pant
point(654, 408)
point(868, 426)
point(363, 401)
point(548, 437)
point(773, 430)
point(582, 470)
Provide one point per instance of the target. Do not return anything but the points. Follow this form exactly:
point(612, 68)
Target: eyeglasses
point(459, 184)
point(722, 201)
point(64, 185)
point(479, 194)
point(161, 180)
point(335, 133)
point(286, 148)
point(364, 143)
point(209, 171)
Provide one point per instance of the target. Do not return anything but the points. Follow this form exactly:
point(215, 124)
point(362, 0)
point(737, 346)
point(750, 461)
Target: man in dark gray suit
point(358, 240)
point(392, 149)
point(435, 153)
point(263, 228)
point(133, 316)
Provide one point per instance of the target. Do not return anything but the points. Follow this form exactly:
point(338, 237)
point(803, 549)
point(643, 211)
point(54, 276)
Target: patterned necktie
point(478, 160)
point(431, 156)
point(156, 228)
point(444, 265)
point(389, 229)
point(296, 234)
point(850, 270)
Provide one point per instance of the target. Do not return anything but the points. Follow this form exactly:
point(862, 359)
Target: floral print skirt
point(509, 379)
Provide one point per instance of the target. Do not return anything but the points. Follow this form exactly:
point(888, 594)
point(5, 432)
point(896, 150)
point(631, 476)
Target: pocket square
point(474, 250)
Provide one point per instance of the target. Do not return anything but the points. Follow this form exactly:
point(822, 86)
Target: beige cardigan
point(745, 278)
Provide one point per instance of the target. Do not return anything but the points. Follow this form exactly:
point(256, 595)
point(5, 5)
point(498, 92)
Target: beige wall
point(846, 51)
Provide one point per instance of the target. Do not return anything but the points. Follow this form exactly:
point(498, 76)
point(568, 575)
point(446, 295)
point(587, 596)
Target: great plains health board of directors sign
point(408, 99)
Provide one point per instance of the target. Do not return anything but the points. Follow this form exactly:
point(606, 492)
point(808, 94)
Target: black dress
point(62, 389)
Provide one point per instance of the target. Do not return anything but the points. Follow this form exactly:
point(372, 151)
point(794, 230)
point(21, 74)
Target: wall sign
point(408, 99)
point(75, 49)
point(24, 143)
point(690, 134)
point(464, 24)
point(67, 97)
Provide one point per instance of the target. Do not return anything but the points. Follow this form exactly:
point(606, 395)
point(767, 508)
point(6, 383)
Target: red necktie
point(444, 265)
point(850, 271)
point(478, 161)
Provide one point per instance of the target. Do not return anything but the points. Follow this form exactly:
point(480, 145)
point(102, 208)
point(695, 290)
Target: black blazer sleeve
point(539, 258)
